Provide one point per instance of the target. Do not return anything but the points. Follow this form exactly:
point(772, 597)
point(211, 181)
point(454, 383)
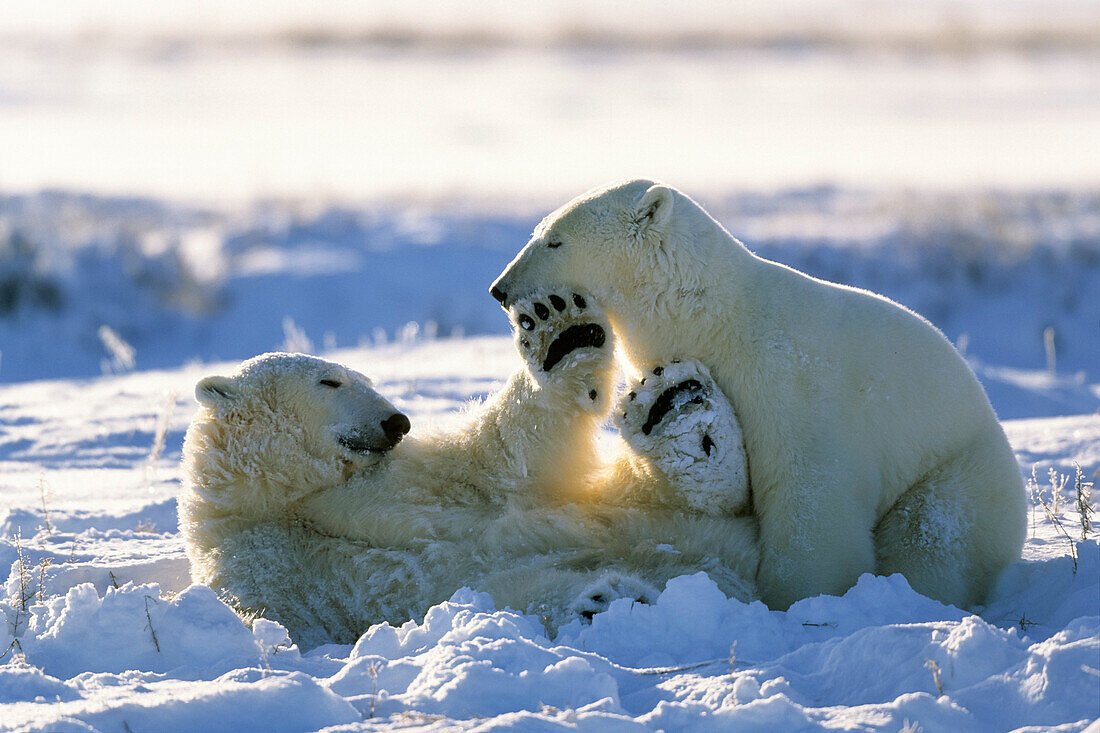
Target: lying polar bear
point(302, 500)
point(872, 445)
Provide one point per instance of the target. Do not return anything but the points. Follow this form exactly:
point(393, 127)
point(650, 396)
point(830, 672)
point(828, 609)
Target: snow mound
point(100, 629)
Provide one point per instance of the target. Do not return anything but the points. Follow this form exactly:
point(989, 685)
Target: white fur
point(871, 444)
point(282, 519)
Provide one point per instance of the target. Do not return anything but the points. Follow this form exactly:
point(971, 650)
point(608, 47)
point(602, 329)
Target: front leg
point(683, 430)
point(537, 437)
point(568, 346)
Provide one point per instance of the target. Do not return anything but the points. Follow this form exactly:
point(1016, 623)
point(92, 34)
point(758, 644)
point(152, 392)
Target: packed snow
point(347, 179)
point(103, 629)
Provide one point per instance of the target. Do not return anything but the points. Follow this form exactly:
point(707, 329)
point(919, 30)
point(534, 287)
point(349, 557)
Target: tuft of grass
point(145, 527)
point(1083, 500)
point(937, 677)
point(373, 670)
point(1057, 485)
point(43, 491)
point(121, 353)
point(149, 625)
point(32, 588)
point(43, 566)
point(160, 435)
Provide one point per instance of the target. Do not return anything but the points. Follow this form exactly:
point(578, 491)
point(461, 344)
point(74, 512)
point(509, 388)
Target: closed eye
point(330, 383)
point(554, 243)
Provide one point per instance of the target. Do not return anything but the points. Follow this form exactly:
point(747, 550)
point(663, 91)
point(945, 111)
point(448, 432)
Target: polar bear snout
point(377, 438)
point(396, 427)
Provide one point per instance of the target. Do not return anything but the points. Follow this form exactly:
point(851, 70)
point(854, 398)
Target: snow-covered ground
point(234, 177)
point(110, 637)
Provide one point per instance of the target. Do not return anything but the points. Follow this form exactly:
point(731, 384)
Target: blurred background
point(205, 180)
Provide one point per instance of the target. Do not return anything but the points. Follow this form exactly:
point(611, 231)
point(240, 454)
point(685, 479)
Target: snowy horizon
point(221, 104)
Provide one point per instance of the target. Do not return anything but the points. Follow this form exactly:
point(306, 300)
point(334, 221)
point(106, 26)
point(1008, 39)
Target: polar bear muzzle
point(367, 439)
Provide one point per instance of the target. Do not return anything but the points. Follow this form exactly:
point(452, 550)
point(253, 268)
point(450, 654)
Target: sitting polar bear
point(871, 444)
point(302, 500)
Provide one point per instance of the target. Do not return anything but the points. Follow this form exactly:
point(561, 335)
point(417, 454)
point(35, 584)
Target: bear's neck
point(251, 479)
point(682, 307)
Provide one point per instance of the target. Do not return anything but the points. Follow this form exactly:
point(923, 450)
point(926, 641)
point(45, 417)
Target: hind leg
point(953, 532)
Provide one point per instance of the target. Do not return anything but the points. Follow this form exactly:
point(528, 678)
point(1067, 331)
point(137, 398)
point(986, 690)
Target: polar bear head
point(283, 426)
point(646, 252)
point(612, 239)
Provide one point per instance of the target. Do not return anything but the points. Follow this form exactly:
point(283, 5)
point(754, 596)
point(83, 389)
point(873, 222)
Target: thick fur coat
point(298, 505)
point(871, 444)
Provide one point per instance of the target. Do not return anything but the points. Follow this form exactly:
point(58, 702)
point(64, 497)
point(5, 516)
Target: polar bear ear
point(213, 391)
point(654, 208)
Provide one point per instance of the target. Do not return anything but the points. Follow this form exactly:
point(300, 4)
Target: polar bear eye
point(330, 383)
point(554, 243)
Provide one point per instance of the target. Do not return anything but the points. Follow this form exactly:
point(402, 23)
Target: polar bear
point(871, 444)
point(304, 498)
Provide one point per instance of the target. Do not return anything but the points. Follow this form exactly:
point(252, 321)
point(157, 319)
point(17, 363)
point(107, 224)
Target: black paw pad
point(687, 392)
point(558, 302)
point(575, 337)
point(708, 444)
point(542, 311)
point(526, 322)
point(579, 301)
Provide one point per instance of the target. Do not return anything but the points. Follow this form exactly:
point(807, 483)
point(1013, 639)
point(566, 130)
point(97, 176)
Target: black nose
point(499, 294)
point(396, 426)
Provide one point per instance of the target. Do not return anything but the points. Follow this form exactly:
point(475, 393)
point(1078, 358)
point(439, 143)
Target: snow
point(221, 101)
point(116, 576)
point(348, 179)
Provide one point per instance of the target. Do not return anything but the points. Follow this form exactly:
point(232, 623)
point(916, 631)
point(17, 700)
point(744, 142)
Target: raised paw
point(677, 417)
point(566, 334)
point(611, 586)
